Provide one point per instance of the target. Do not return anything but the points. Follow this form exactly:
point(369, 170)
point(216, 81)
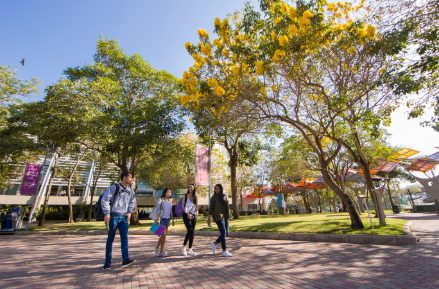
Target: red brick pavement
point(75, 261)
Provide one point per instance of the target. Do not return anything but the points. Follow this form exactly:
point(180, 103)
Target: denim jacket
point(124, 203)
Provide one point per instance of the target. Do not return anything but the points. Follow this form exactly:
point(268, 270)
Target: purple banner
point(30, 179)
point(202, 166)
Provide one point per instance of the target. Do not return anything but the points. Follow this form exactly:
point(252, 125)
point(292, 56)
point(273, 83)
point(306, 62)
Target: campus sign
point(30, 179)
point(181, 192)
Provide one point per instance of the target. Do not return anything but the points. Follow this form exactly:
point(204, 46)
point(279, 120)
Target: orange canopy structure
point(422, 165)
point(404, 153)
point(312, 184)
point(248, 196)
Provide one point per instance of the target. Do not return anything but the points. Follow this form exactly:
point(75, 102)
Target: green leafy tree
point(135, 108)
point(69, 171)
point(15, 148)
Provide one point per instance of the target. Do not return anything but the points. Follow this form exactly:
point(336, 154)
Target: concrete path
point(425, 226)
point(75, 261)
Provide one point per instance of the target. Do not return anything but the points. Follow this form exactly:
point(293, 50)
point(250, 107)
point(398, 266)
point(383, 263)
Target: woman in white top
point(164, 216)
point(189, 205)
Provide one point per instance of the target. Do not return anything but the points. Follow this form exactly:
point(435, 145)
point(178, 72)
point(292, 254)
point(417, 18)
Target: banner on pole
point(202, 166)
point(30, 179)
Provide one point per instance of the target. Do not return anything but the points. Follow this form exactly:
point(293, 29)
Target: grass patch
point(326, 223)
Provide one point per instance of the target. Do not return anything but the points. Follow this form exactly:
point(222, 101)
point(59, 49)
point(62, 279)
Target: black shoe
point(107, 266)
point(127, 263)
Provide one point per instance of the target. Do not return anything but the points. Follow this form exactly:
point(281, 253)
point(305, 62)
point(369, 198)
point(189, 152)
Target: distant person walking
point(219, 209)
point(123, 200)
point(339, 207)
point(164, 216)
point(190, 213)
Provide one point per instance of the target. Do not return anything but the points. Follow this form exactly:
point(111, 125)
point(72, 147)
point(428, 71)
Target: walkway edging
point(397, 240)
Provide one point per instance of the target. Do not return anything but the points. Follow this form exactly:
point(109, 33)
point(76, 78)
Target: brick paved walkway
point(59, 261)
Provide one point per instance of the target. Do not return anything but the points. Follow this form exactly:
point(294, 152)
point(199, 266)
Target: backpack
point(99, 214)
point(178, 208)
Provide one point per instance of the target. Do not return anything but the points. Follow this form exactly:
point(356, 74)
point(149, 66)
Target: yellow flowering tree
point(316, 68)
point(212, 85)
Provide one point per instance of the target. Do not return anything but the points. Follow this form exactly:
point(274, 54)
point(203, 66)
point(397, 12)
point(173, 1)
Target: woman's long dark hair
point(164, 193)
point(194, 195)
point(223, 202)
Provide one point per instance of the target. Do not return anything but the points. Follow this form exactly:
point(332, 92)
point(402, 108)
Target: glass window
point(12, 190)
point(100, 191)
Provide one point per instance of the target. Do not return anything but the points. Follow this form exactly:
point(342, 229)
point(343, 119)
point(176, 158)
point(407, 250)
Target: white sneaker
point(213, 247)
point(157, 252)
point(184, 251)
point(226, 254)
point(191, 253)
point(163, 254)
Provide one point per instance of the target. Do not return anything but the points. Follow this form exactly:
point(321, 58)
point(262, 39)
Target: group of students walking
point(118, 204)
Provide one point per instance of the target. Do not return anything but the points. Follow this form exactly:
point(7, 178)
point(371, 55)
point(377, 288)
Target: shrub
point(249, 213)
point(56, 213)
point(242, 213)
point(205, 213)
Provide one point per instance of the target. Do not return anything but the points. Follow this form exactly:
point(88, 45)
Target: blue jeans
point(223, 226)
point(165, 222)
point(120, 222)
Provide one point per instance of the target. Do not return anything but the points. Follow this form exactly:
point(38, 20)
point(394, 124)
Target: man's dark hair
point(124, 174)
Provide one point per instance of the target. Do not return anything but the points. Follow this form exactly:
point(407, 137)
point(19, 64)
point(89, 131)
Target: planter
point(78, 220)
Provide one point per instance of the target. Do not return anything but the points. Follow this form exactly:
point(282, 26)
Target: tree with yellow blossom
point(316, 67)
point(212, 85)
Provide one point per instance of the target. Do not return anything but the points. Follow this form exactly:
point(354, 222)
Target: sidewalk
point(75, 261)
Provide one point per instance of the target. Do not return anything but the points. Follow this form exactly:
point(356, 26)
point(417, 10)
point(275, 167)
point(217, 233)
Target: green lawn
point(326, 223)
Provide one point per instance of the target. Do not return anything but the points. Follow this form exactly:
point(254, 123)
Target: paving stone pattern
point(75, 261)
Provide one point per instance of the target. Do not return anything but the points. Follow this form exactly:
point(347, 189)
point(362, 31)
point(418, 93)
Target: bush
point(249, 213)
point(206, 213)
point(55, 213)
point(242, 213)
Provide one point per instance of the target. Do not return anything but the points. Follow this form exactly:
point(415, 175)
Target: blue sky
point(53, 35)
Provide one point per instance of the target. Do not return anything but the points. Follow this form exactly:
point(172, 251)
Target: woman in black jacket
point(219, 209)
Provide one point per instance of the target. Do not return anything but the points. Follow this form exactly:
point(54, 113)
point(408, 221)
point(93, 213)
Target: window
point(100, 191)
point(252, 207)
point(145, 194)
point(11, 190)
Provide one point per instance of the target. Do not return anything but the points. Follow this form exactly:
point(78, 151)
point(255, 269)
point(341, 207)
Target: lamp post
point(210, 172)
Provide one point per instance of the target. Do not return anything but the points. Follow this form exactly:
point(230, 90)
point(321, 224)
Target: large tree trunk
point(388, 191)
point(305, 201)
point(49, 189)
point(135, 215)
point(375, 196)
point(69, 184)
point(233, 165)
point(320, 202)
point(92, 193)
point(69, 198)
point(362, 161)
point(90, 206)
point(356, 222)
